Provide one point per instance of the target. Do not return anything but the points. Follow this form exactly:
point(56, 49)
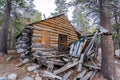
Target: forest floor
point(9, 67)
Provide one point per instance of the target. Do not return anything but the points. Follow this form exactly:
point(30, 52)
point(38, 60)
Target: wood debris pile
point(76, 65)
point(66, 67)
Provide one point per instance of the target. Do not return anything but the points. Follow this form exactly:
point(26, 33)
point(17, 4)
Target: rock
point(25, 60)
point(23, 42)
point(117, 53)
point(22, 55)
point(34, 64)
point(12, 76)
point(3, 78)
point(31, 68)
point(28, 78)
point(38, 77)
point(37, 53)
point(20, 50)
point(10, 58)
point(35, 70)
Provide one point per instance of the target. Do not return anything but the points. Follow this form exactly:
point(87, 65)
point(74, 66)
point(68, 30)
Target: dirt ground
point(9, 67)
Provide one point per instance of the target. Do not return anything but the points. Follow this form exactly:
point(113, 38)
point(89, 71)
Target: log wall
point(55, 26)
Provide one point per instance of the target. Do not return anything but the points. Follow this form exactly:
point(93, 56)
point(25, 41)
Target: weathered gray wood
point(66, 76)
point(75, 49)
point(89, 47)
point(90, 66)
point(87, 76)
point(80, 62)
point(50, 67)
point(66, 67)
point(79, 49)
point(91, 77)
point(80, 75)
point(51, 75)
point(55, 63)
point(71, 48)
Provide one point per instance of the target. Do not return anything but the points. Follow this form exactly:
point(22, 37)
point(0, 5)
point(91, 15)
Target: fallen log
point(51, 75)
point(66, 67)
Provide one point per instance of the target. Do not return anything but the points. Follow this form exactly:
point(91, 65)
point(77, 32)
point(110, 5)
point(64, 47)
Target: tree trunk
point(4, 30)
point(107, 65)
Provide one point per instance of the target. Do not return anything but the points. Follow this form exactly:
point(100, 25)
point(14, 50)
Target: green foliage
point(79, 20)
point(37, 16)
point(116, 26)
point(116, 35)
point(61, 7)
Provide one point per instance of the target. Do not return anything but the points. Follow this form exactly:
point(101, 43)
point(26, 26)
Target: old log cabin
point(52, 33)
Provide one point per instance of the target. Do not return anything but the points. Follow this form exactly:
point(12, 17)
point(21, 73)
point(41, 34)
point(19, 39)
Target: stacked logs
point(23, 43)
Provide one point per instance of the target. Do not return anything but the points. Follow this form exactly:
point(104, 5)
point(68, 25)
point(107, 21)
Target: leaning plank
point(71, 48)
point(51, 75)
point(87, 76)
point(66, 76)
point(75, 49)
point(66, 67)
point(79, 49)
point(93, 67)
point(80, 62)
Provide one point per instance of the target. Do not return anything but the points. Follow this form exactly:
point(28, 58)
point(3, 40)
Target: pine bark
point(4, 30)
point(107, 65)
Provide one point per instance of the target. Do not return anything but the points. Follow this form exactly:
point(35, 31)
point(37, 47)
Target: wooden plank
point(54, 27)
point(66, 67)
point(87, 76)
point(37, 31)
point(53, 37)
point(36, 35)
point(54, 45)
point(71, 49)
point(57, 32)
point(79, 49)
point(60, 21)
point(37, 40)
point(91, 77)
point(49, 28)
point(91, 66)
point(51, 75)
point(80, 75)
point(66, 76)
point(75, 49)
point(60, 25)
point(80, 62)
